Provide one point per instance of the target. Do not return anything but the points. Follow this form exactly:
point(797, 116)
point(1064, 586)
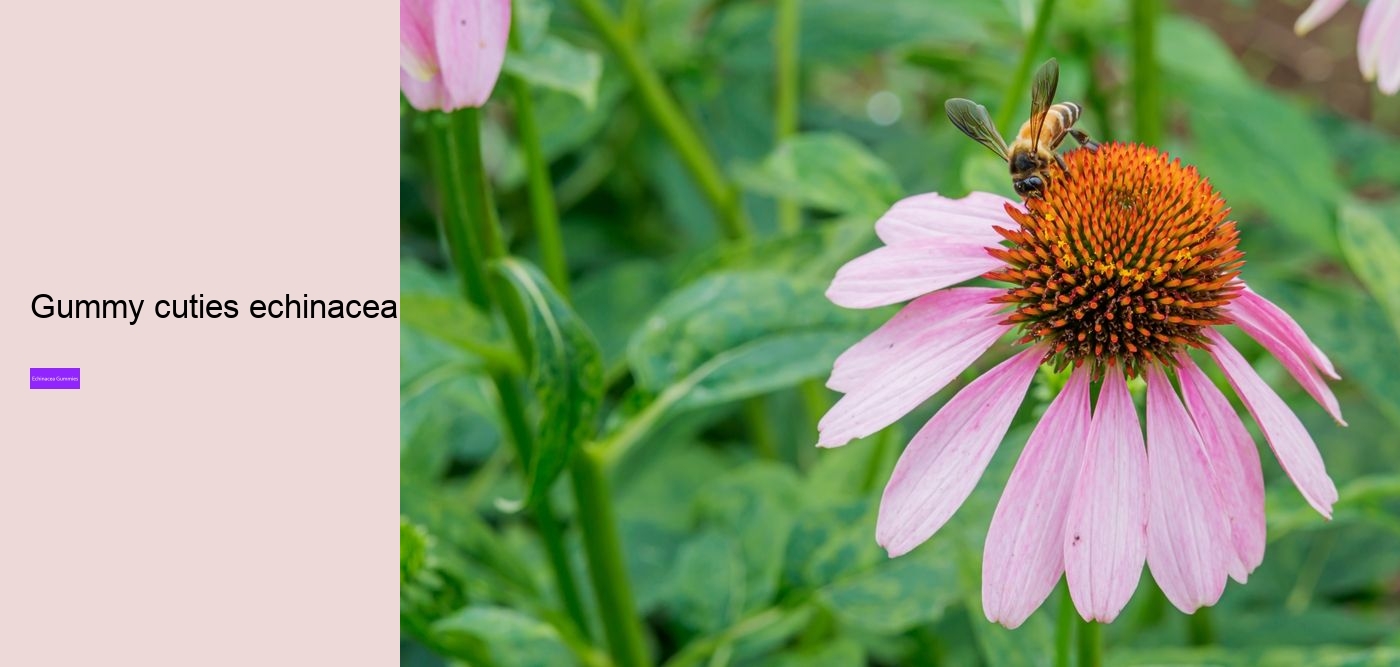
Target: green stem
point(513, 408)
point(785, 114)
point(815, 400)
point(667, 114)
point(1095, 95)
point(1147, 112)
point(464, 156)
point(1090, 644)
point(760, 429)
point(461, 158)
point(603, 545)
point(1020, 84)
point(597, 522)
point(1200, 630)
point(543, 210)
point(873, 465)
point(453, 219)
point(464, 162)
point(1064, 628)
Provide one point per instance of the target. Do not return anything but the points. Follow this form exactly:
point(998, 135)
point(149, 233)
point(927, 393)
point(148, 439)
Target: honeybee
point(1033, 151)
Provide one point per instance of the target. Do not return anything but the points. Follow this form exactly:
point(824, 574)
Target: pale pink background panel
point(218, 492)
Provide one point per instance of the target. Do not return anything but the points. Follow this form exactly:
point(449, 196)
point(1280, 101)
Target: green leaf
point(503, 637)
point(444, 411)
point(756, 504)
point(1211, 59)
point(566, 373)
point(413, 551)
point(615, 301)
point(814, 253)
point(1325, 656)
point(829, 172)
point(455, 322)
point(558, 65)
point(838, 652)
point(708, 584)
point(896, 595)
point(1370, 239)
point(722, 313)
point(1235, 130)
point(831, 542)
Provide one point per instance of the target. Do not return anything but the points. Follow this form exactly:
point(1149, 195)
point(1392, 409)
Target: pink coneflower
point(1119, 269)
point(451, 51)
point(1377, 42)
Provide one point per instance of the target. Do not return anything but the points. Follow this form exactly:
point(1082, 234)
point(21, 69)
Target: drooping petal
point(947, 456)
point(901, 272)
point(1024, 554)
point(1105, 542)
point(927, 364)
point(933, 215)
point(1188, 532)
point(1299, 366)
point(1234, 460)
point(1389, 66)
point(417, 52)
point(471, 37)
point(1316, 13)
point(1292, 445)
point(423, 95)
point(1378, 24)
point(1262, 314)
point(939, 315)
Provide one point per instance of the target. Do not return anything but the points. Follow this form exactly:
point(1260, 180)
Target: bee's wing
point(1043, 86)
point(972, 119)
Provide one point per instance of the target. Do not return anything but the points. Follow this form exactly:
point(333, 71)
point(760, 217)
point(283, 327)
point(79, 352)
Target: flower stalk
point(1147, 100)
point(1090, 643)
point(464, 184)
point(666, 113)
point(452, 219)
point(785, 106)
point(543, 209)
point(1022, 80)
point(597, 520)
point(1064, 628)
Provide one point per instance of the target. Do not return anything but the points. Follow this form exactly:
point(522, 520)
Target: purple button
point(54, 378)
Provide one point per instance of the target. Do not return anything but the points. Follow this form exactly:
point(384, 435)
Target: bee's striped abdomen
point(1067, 113)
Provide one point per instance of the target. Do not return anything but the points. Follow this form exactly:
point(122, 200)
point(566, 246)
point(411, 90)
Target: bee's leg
point(1060, 160)
point(1083, 138)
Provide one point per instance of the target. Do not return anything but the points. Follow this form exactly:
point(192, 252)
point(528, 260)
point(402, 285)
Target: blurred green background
point(743, 543)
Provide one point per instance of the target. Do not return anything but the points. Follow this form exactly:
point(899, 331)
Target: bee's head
point(1028, 187)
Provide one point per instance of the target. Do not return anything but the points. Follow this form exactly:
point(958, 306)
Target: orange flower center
point(1124, 260)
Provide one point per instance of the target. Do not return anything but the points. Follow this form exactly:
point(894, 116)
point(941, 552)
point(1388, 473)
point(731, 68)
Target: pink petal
point(901, 272)
point(1263, 314)
point(1389, 65)
point(1377, 26)
point(1188, 532)
point(1292, 445)
point(417, 53)
point(1291, 356)
point(926, 364)
point(945, 459)
point(1025, 549)
point(471, 38)
point(932, 315)
point(423, 95)
point(1235, 461)
point(1316, 13)
point(1106, 531)
point(933, 215)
